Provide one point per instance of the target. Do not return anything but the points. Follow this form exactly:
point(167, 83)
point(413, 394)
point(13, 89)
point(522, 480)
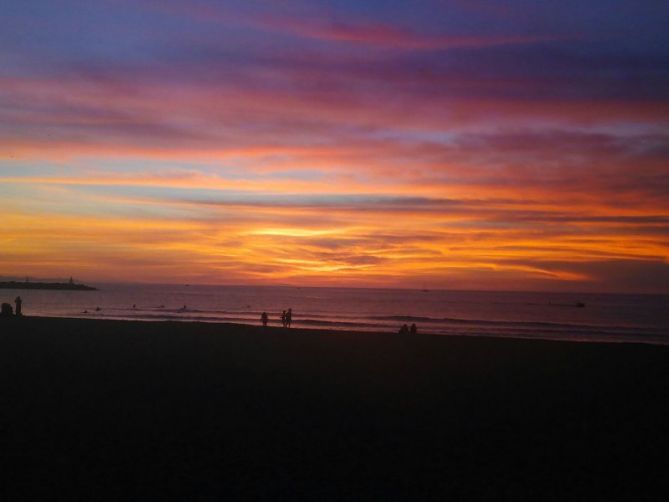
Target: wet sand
point(115, 410)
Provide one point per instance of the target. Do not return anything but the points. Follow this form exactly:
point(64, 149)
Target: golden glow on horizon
point(237, 246)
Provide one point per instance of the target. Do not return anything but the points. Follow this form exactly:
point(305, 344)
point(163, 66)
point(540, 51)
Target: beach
point(129, 410)
point(509, 314)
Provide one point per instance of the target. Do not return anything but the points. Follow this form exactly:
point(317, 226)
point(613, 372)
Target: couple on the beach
point(7, 308)
point(406, 330)
point(287, 318)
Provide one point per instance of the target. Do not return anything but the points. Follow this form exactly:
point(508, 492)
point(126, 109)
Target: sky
point(464, 144)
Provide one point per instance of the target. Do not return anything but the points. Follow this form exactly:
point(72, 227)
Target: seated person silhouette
point(6, 310)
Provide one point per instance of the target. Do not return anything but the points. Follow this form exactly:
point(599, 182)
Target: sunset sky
point(444, 144)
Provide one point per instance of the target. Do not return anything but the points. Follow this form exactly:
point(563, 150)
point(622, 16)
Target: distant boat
point(580, 304)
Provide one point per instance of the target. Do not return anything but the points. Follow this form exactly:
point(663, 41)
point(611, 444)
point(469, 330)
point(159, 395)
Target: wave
point(348, 324)
point(383, 323)
point(173, 316)
point(520, 324)
point(462, 327)
point(407, 318)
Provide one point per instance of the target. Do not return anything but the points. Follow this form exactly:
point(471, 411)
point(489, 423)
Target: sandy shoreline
point(299, 327)
point(134, 410)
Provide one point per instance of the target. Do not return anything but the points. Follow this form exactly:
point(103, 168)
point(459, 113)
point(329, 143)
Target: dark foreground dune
point(93, 410)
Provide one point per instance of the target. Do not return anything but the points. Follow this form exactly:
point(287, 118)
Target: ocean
point(555, 316)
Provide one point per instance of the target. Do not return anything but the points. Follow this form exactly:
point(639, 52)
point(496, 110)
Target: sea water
point(561, 316)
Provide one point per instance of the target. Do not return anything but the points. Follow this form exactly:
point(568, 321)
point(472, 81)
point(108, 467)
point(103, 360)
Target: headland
point(60, 286)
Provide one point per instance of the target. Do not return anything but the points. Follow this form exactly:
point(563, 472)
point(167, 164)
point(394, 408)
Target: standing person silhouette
point(263, 318)
point(289, 317)
point(283, 319)
point(18, 303)
point(413, 330)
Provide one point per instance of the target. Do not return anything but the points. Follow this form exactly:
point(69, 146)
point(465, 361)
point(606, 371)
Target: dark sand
point(94, 410)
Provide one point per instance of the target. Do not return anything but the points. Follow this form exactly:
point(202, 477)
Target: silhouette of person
point(289, 317)
point(413, 330)
point(283, 319)
point(263, 318)
point(404, 330)
point(18, 303)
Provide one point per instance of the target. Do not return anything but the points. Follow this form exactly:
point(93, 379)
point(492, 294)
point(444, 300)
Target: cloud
point(651, 276)
point(396, 145)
